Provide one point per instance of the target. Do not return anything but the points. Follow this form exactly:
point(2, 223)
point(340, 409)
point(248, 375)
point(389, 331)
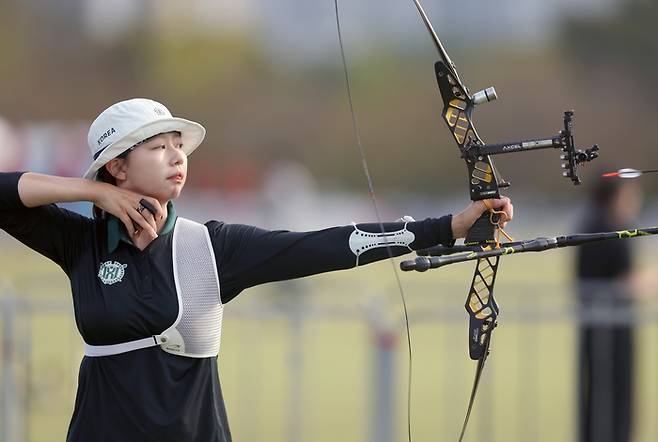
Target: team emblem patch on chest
point(111, 272)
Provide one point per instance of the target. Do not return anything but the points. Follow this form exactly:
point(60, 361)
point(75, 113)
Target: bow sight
point(483, 180)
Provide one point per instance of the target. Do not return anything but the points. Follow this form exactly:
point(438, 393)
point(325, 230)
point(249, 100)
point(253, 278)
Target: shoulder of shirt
point(213, 224)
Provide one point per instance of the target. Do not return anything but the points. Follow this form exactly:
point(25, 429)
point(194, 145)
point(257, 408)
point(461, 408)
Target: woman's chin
point(173, 194)
point(164, 197)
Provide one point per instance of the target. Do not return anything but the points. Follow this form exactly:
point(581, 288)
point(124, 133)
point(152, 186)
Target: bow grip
point(483, 231)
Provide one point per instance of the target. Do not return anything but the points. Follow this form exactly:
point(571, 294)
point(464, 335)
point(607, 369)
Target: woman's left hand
point(462, 222)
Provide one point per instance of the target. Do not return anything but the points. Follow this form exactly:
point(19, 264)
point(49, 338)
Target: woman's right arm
point(55, 233)
point(36, 190)
point(28, 212)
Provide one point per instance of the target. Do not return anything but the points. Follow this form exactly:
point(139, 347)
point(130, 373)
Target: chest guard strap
point(196, 332)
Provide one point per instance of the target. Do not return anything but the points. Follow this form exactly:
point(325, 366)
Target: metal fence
point(323, 360)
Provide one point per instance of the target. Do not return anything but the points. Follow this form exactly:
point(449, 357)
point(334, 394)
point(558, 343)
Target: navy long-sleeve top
point(149, 394)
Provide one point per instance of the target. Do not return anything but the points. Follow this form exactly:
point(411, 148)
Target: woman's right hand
point(125, 205)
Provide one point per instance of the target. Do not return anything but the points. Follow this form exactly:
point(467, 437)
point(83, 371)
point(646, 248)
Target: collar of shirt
point(116, 231)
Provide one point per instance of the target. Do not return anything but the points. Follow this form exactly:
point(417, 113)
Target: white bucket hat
point(124, 124)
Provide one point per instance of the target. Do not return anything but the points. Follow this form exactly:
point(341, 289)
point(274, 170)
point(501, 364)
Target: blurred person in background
point(605, 295)
point(148, 286)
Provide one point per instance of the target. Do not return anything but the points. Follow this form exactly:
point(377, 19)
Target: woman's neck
point(162, 221)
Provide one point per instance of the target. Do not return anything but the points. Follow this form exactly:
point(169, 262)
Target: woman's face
point(157, 168)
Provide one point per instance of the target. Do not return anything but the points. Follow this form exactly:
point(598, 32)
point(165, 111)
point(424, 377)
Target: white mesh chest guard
point(196, 332)
point(198, 328)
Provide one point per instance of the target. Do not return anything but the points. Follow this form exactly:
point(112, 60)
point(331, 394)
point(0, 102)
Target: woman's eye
point(180, 146)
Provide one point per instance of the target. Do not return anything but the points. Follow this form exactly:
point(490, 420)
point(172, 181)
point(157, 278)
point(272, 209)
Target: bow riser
point(458, 115)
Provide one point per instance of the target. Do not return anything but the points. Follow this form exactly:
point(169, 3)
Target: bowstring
point(373, 197)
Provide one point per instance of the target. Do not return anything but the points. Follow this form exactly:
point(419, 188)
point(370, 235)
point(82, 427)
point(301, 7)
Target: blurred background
point(324, 358)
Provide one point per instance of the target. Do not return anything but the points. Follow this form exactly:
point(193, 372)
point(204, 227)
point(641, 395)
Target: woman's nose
point(178, 156)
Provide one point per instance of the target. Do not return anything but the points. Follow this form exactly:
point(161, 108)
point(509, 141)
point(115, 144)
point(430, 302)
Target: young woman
point(146, 283)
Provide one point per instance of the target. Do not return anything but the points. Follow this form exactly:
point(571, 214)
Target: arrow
point(627, 173)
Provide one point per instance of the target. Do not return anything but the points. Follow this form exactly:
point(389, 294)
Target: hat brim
point(192, 134)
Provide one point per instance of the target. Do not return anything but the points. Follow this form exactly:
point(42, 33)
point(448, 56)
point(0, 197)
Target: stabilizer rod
point(441, 256)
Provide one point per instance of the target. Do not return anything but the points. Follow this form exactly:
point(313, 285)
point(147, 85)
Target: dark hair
point(104, 176)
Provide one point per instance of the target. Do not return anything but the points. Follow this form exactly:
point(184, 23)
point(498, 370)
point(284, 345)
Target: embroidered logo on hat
point(111, 272)
point(106, 134)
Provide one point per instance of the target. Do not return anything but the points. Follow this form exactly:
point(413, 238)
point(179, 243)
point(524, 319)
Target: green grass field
point(527, 393)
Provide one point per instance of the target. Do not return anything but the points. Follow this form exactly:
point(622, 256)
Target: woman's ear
point(116, 168)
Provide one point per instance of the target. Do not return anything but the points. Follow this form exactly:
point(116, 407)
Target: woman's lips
point(176, 178)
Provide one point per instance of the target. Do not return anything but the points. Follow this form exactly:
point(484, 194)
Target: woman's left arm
point(248, 256)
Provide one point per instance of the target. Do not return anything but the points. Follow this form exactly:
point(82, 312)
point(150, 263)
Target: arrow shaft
point(423, 263)
point(628, 173)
